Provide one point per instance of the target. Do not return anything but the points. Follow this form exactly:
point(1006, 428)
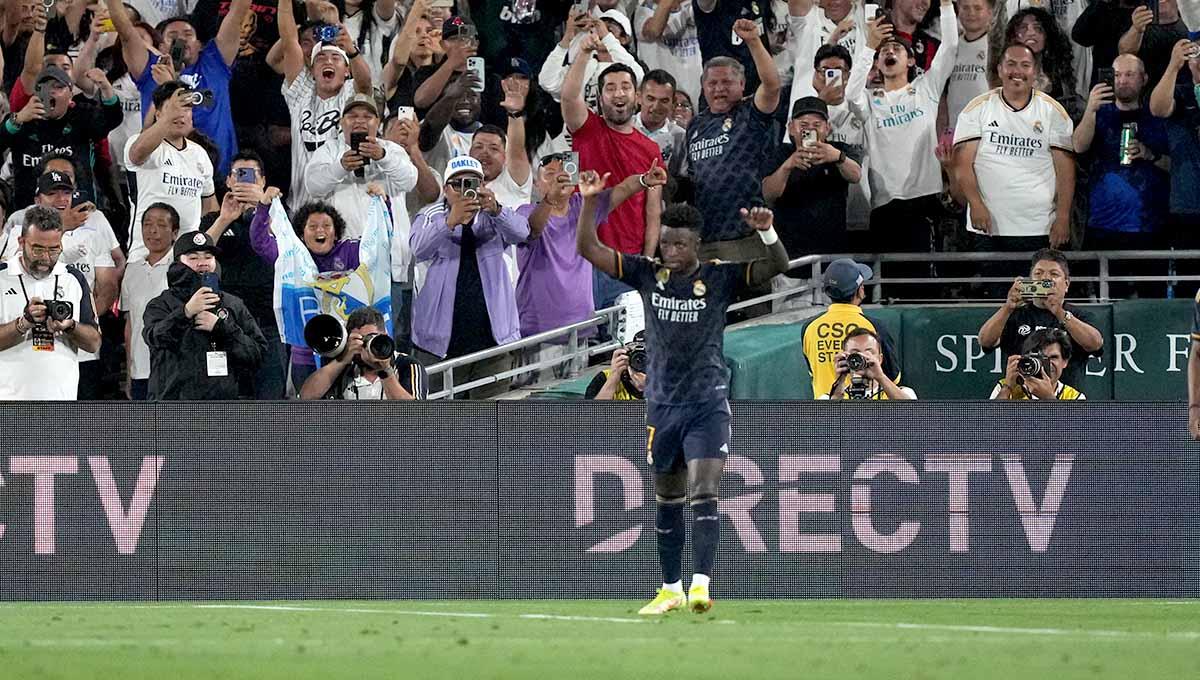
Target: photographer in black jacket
point(201, 341)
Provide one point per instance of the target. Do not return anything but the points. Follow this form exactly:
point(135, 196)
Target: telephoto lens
point(379, 345)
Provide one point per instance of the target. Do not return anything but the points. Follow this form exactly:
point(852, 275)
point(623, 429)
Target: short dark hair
point(832, 52)
point(661, 77)
point(318, 208)
point(1036, 59)
point(1043, 337)
point(252, 156)
point(489, 129)
point(364, 316)
point(56, 156)
point(161, 27)
point(167, 208)
point(682, 216)
point(42, 219)
point(154, 32)
point(164, 92)
point(1053, 255)
point(616, 68)
point(859, 332)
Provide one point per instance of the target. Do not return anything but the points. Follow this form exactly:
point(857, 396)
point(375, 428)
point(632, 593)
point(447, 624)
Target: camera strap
point(43, 339)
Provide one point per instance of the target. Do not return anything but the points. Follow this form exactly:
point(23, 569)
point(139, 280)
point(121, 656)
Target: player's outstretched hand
point(759, 218)
point(591, 183)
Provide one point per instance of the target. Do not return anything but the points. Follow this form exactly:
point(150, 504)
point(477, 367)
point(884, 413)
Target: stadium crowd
point(174, 167)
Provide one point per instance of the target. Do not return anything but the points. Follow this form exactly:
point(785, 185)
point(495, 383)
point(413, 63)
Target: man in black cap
point(806, 181)
point(53, 122)
point(824, 336)
point(201, 340)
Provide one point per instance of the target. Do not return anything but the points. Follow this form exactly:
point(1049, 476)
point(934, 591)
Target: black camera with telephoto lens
point(59, 310)
point(1032, 365)
point(856, 361)
point(379, 345)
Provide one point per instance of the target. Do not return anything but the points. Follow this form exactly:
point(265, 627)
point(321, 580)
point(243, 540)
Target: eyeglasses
point(43, 251)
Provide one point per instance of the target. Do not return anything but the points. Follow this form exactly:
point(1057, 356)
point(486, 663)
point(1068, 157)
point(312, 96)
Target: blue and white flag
point(301, 292)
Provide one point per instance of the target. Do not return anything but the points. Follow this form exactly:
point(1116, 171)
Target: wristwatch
point(841, 157)
point(516, 114)
point(1067, 317)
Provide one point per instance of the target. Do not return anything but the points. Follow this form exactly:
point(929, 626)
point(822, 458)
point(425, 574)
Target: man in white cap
point(467, 303)
point(341, 169)
point(316, 94)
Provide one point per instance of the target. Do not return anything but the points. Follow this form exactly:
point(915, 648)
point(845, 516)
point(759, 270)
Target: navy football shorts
point(679, 433)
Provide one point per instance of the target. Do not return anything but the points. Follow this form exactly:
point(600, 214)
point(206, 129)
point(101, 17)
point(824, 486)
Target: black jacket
point(84, 124)
point(179, 351)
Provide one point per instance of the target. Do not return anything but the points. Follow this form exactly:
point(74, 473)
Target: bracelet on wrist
point(642, 181)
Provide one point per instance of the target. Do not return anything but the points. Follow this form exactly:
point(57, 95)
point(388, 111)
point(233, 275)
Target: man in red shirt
point(609, 144)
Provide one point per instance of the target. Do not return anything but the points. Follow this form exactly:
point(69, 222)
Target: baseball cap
point(54, 181)
point(361, 99)
point(844, 276)
point(901, 41)
point(452, 26)
point(619, 18)
point(815, 105)
point(463, 164)
point(327, 47)
point(516, 66)
point(195, 242)
point(54, 73)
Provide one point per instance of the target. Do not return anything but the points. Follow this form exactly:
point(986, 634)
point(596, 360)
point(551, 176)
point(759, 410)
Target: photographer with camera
point(468, 303)
point(1036, 373)
point(369, 367)
point(47, 317)
point(202, 341)
point(625, 380)
point(860, 373)
point(1036, 303)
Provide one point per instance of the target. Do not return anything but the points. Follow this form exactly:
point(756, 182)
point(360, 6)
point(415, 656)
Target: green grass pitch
point(578, 640)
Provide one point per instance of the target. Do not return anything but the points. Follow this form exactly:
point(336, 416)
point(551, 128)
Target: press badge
point(218, 364)
point(43, 339)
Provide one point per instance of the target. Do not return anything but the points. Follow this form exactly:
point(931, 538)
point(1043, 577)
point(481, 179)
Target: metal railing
point(813, 294)
point(610, 317)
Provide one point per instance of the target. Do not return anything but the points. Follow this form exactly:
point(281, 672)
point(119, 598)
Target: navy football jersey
point(725, 151)
point(685, 326)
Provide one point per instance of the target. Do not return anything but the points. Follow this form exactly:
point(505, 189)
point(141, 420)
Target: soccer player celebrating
point(687, 391)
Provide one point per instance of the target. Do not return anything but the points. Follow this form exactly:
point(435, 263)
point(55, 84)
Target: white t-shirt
point(511, 195)
point(847, 129)
point(902, 124)
point(178, 177)
point(969, 78)
point(1013, 165)
point(131, 124)
point(155, 11)
point(142, 283)
point(677, 50)
point(27, 373)
point(86, 247)
point(314, 122)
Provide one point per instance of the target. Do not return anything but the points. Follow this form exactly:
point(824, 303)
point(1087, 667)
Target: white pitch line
point(282, 608)
point(554, 617)
point(1182, 635)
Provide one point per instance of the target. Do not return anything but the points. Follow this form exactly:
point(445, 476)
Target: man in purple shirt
point(554, 288)
point(467, 303)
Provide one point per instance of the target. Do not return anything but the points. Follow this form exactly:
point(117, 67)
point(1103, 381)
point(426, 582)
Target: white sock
point(676, 587)
point(700, 580)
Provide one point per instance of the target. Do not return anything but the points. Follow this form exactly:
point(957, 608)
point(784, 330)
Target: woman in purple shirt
point(321, 227)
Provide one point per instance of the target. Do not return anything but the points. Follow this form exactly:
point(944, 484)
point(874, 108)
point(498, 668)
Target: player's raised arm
point(762, 270)
point(591, 185)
